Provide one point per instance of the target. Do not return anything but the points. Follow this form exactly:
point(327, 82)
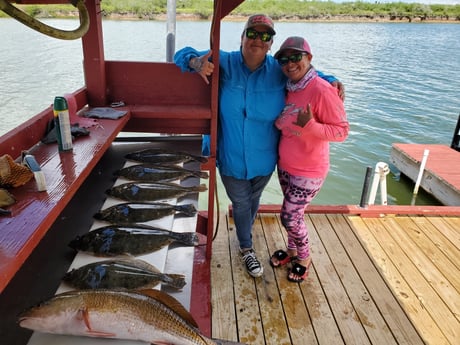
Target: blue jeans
point(245, 197)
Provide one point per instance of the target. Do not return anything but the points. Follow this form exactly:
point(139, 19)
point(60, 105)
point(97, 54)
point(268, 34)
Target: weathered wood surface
point(389, 280)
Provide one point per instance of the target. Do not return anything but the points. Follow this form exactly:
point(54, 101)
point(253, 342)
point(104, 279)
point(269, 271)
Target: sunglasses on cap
point(253, 34)
point(284, 60)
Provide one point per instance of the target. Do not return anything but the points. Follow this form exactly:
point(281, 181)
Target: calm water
point(402, 83)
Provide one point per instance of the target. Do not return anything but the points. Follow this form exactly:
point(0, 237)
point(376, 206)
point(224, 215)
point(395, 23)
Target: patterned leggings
point(298, 192)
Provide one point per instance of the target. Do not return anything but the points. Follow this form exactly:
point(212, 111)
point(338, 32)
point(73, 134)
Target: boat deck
point(389, 280)
point(440, 178)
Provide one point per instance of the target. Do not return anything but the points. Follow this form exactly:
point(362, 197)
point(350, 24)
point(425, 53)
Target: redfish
point(137, 191)
point(133, 240)
point(128, 213)
point(151, 316)
point(121, 273)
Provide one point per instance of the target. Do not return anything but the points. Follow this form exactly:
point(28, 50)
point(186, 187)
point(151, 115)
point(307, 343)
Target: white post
point(380, 173)
point(420, 175)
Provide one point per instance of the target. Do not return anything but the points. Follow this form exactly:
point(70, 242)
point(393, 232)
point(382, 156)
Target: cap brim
point(279, 52)
point(269, 29)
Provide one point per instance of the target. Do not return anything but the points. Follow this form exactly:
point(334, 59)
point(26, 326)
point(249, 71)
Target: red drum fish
point(155, 173)
point(128, 213)
point(137, 191)
point(151, 316)
point(133, 240)
point(121, 273)
point(164, 156)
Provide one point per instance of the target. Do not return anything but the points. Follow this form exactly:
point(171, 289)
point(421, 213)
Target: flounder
point(128, 213)
point(164, 156)
point(136, 191)
point(155, 173)
point(134, 240)
point(121, 273)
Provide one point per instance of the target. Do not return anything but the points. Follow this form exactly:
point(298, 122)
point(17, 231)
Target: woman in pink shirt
point(313, 116)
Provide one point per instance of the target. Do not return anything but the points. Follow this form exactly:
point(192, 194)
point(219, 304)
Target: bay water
point(402, 84)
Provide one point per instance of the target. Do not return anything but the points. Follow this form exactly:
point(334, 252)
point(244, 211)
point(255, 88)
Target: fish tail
point(188, 210)
point(99, 216)
point(176, 281)
point(187, 238)
point(200, 159)
point(201, 188)
point(201, 174)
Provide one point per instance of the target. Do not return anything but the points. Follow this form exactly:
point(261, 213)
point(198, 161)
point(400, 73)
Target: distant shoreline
point(324, 19)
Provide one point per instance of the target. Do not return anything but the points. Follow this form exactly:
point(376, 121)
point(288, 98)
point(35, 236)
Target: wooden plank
point(368, 313)
point(439, 265)
point(395, 317)
point(249, 323)
point(272, 309)
point(442, 288)
point(411, 263)
point(436, 229)
point(296, 315)
point(449, 228)
point(345, 315)
point(222, 295)
point(391, 261)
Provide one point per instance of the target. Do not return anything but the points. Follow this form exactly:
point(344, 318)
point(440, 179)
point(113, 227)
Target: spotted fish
point(155, 173)
point(151, 316)
point(128, 213)
point(164, 156)
point(137, 191)
point(121, 273)
point(138, 239)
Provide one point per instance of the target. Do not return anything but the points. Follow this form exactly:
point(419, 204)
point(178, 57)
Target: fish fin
point(176, 281)
point(201, 174)
point(201, 188)
point(226, 342)
point(187, 238)
point(91, 332)
point(189, 210)
point(197, 158)
point(171, 303)
point(98, 216)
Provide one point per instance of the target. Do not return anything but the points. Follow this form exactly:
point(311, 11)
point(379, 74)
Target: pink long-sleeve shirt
point(304, 151)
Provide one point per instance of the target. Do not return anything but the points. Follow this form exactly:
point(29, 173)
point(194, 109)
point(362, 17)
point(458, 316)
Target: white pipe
point(422, 169)
point(381, 170)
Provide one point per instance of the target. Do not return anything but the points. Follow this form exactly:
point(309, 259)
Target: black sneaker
point(253, 265)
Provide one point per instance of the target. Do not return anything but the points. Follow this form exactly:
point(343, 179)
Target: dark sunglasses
point(284, 60)
point(253, 34)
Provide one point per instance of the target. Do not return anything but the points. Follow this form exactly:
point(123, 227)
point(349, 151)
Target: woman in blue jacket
point(251, 96)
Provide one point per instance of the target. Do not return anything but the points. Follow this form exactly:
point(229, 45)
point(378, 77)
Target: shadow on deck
point(389, 280)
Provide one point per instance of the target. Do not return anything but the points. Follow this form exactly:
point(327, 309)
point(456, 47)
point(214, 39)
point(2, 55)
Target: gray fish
point(164, 156)
point(135, 240)
point(140, 212)
point(136, 191)
point(155, 173)
point(121, 273)
point(151, 316)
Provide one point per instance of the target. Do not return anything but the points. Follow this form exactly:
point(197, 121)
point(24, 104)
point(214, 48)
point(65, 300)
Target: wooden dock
point(441, 177)
point(387, 280)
